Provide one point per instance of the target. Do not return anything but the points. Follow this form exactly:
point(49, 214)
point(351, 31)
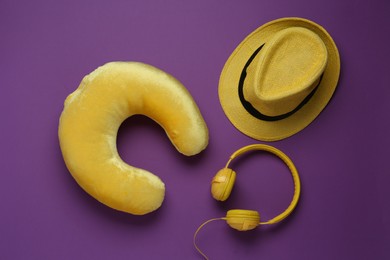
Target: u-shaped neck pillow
point(93, 114)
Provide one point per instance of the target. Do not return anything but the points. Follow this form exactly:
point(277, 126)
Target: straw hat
point(279, 78)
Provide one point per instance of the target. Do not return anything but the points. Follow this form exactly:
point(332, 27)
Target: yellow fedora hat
point(279, 78)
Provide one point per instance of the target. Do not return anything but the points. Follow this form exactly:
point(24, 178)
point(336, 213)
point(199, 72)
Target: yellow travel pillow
point(90, 121)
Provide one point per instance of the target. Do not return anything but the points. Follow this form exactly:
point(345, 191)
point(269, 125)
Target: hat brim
point(230, 77)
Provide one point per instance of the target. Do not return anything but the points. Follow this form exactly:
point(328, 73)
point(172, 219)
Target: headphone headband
point(290, 165)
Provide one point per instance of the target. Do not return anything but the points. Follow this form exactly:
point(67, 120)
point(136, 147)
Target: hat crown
point(285, 71)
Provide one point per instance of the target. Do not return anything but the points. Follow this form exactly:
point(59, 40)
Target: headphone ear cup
point(222, 184)
point(243, 220)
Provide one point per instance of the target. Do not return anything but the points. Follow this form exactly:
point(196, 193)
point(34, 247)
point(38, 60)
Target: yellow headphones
point(222, 185)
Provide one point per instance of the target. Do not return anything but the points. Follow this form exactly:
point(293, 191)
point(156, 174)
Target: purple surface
point(46, 47)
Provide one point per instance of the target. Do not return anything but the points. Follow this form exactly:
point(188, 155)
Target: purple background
point(46, 47)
